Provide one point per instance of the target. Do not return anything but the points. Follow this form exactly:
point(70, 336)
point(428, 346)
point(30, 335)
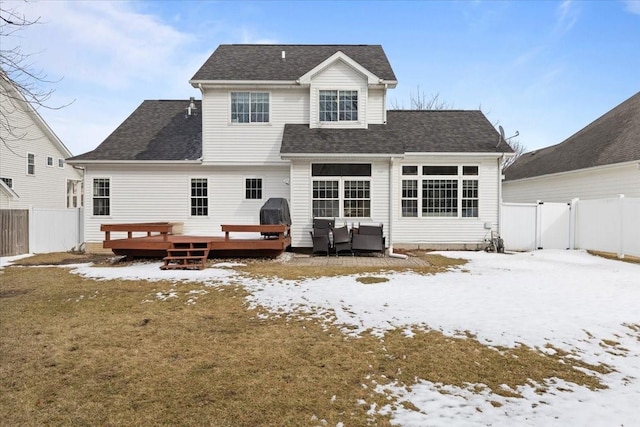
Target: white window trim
point(27, 164)
point(262, 181)
point(110, 196)
point(190, 183)
point(60, 159)
point(249, 123)
point(52, 161)
point(420, 178)
point(341, 198)
point(344, 89)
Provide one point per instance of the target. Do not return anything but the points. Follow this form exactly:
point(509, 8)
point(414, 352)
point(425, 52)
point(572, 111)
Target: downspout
point(500, 178)
point(81, 211)
point(384, 107)
point(391, 211)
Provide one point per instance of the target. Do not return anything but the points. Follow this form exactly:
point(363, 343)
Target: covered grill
point(275, 211)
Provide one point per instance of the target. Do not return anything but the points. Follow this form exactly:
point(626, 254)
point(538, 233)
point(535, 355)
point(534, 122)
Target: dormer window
point(338, 105)
point(249, 107)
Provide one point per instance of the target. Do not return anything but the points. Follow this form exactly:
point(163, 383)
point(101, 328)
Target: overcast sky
point(545, 69)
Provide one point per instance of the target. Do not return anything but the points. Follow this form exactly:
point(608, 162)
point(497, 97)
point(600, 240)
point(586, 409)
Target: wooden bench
point(163, 228)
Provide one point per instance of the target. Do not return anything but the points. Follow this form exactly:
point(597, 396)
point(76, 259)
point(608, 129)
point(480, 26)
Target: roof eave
point(288, 156)
point(216, 83)
point(130, 162)
point(583, 170)
point(459, 154)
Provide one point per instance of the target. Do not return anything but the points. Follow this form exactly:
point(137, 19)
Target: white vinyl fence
point(55, 230)
point(608, 225)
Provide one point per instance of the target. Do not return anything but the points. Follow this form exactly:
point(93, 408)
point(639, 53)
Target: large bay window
point(249, 107)
point(341, 190)
point(338, 105)
point(447, 191)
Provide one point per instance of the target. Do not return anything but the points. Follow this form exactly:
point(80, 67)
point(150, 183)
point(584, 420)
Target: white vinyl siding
point(225, 142)
point(147, 193)
point(48, 187)
point(442, 230)
point(338, 77)
point(596, 183)
point(376, 108)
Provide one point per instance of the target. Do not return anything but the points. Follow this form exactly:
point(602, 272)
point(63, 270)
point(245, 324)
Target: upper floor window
point(338, 105)
point(31, 164)
point(60, 163)
point(249, 107)
point(49, 161)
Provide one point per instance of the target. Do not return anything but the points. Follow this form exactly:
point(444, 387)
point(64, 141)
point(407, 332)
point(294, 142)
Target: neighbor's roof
point(156, 130)
point(612, 138)
point(435, 131)
point(264, 62)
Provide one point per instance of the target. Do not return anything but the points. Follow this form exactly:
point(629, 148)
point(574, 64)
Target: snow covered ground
point(569, 299)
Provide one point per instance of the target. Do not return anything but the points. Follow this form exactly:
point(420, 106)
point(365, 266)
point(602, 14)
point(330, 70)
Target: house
point(33, 171)
point(307, 123)
point(600, 161)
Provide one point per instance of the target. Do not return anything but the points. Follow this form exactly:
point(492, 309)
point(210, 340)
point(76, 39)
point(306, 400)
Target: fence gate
point(555, 226)
point(531, 226)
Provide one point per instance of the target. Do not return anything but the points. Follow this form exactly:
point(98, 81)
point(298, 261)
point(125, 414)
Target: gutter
point(337, 155)
point(392, 192)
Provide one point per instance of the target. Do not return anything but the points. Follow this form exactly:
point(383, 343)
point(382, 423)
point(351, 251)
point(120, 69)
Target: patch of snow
point(6, 261)
point(566, 299)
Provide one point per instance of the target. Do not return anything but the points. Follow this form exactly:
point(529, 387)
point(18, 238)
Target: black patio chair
point(368, 238)
point(342, 240)
point(320, 235)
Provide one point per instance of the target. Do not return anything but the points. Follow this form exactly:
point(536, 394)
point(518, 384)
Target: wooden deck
point(155, 239)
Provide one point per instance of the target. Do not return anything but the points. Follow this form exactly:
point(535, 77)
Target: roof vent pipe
point(191, 109)
point(284, 55)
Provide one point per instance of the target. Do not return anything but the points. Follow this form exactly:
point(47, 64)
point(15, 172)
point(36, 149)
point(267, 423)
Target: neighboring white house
point(308, 123)
point(600, 161)
point(33, 171)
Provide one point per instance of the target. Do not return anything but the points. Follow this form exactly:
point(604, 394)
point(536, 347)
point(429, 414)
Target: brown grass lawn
point(80, 352)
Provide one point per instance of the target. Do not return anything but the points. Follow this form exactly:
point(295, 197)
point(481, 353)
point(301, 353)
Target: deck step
point(186, 255)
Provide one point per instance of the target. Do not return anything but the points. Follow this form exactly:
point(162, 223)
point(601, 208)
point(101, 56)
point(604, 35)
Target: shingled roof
point(264, 62)
point(612, 138)
point(156, 130)
point(442, 131)
point(159, 130)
